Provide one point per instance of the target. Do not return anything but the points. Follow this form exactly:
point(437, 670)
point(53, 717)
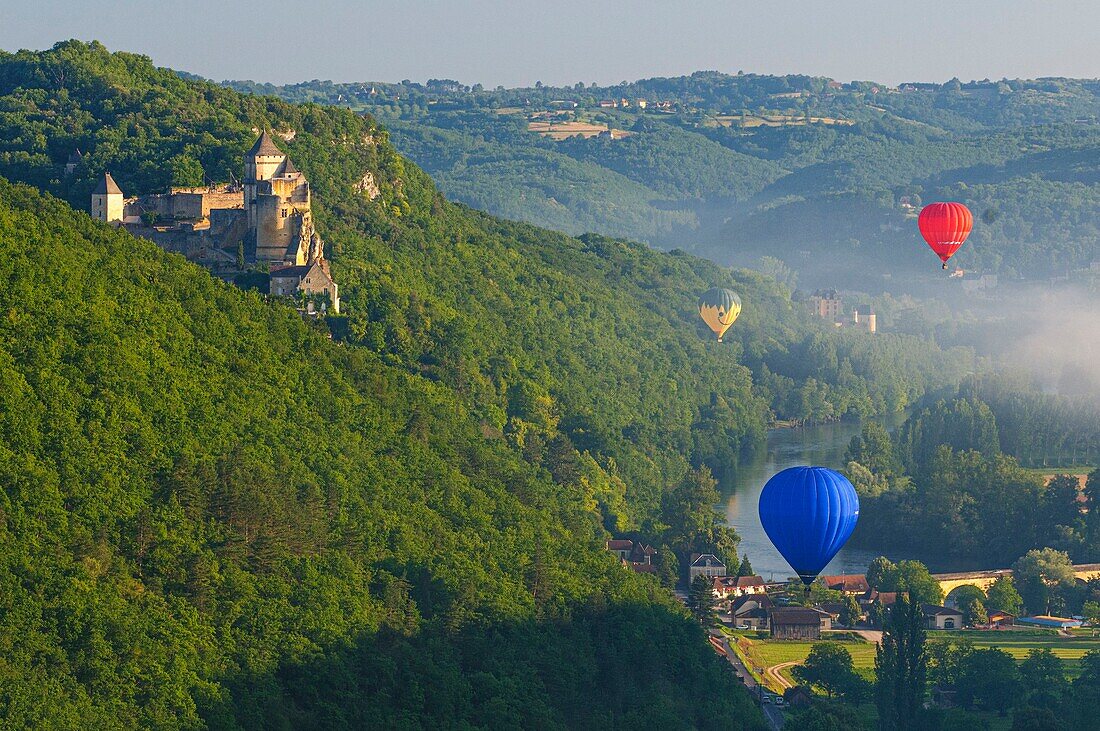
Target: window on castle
point(284, 213)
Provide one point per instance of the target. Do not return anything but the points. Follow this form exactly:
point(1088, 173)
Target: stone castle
point(264, 220)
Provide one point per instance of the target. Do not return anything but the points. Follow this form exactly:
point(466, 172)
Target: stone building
point(826, 304)
point(277, 198)
point(864, 318)
point(108, 202)
point(795, 623)
point(705, 564)
point(265, 220)
point(312, 280)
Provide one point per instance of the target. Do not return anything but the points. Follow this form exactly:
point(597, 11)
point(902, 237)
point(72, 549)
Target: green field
point(1019, 644)
point(766, 653)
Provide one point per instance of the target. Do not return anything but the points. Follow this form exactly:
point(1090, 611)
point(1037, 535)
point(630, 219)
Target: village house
point(936, 617)
point(71, 164)
point(751, 611)
point(881, 598)
point(864, 318)
point(797, 623)
point(705, 564)
point(635, 554)
point(854, 584)
point(999, 619)
point(621, 547)
point(737, 586)
point(308, 280)
point(826, 304)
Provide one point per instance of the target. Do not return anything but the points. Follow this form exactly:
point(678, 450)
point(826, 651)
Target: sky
point(518, 43)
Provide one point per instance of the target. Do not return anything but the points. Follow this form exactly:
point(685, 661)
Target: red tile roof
point(846, 582)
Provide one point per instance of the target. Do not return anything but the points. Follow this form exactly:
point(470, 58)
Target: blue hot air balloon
point(808, 513)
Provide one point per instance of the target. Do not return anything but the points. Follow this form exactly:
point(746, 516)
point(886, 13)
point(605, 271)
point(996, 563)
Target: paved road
point(773, 715)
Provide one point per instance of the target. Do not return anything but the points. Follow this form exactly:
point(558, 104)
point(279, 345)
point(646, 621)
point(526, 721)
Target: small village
point(753, 622)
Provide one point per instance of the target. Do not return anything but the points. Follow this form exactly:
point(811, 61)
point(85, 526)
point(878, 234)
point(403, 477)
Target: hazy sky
point(565, 41)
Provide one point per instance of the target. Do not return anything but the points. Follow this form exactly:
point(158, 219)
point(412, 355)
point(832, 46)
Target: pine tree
point(701, 599)
point(745, 569)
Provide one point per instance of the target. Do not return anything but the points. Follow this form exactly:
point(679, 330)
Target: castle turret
point(260, 163)
point(108, 203)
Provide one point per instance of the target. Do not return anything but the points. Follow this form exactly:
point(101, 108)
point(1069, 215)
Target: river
point(822, 445)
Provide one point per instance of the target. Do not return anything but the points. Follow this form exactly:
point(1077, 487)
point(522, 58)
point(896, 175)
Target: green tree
point(914, 577)
point(988, 680)
point(668, 567)
point(185, 171)
point(1059, 502)
point(701, 599)
point(882, 574)
point(1041, 572)
point(1042, 672)
point(874, 449)
point(1002, 595)
point(945, 660)
point(901, 667)
point(829, 667)
point(1091, 612)
point(1030, 718)
point(745, 569)
point(850, 611)
point(971, 602)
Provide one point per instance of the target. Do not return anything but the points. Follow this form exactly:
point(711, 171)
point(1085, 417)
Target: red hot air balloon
point(945, 227)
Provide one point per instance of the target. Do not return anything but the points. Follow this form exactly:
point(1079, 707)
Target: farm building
point(936, 617)
point(1044, 620)
point(796, 623)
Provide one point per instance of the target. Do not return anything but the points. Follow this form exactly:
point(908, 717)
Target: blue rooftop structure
point(1046, 621)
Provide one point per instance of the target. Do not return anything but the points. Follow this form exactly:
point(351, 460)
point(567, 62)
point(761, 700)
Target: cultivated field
point(562, 130)
point(776, 120)
point(766, 653)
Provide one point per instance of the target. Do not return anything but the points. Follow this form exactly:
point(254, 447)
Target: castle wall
point(275, 227)
point(280, 203)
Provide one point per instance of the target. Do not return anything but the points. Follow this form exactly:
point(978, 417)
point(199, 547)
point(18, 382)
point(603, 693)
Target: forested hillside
point(211, 515)
point(583, 350)
point(728, 166)
point(214, 515)
point(954, 481)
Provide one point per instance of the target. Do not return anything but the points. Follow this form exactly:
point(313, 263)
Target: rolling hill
point(728, 167)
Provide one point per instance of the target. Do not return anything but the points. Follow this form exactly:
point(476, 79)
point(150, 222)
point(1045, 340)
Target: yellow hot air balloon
point(719, 308)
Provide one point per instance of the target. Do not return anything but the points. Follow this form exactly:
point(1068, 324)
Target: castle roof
point(291, 272)
point(289, 168)
point(265, 146)
point(107, 186)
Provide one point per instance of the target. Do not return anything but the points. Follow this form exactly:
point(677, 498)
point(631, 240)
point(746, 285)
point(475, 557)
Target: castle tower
point(108, 203)
point(260, 163)
point(277, 197)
